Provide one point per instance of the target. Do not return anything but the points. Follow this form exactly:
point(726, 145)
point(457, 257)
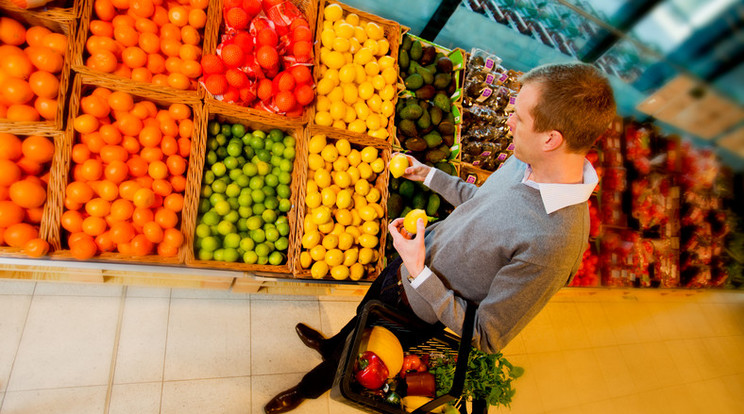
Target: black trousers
point(385, 289)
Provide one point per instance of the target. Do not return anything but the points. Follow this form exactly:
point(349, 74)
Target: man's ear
point(553, 141)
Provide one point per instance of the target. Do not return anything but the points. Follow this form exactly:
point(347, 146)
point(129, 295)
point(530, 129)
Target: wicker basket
point(230, 113)
point(392, 34)
point(78, 63)
point(58, 24)
point(357, 142)
point(82, 84)
point(50, 216)
point(212, 37)
point(65, 13)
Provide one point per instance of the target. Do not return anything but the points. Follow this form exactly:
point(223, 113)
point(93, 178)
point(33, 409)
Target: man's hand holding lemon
point(402, 165)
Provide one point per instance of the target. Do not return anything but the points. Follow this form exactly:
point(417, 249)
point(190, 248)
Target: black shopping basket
point(416, 337)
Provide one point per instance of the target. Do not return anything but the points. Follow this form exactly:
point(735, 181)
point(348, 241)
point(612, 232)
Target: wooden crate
point(212, 38)
point(84, 84)
point(230, 114)
point(381, 184)
point(57, 22)
point(392, 34)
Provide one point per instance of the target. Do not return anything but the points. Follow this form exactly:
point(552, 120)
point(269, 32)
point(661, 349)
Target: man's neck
point(566, 169)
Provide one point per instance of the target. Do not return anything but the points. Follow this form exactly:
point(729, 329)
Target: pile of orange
point(128, 176)
point(151, 41)
point(24, 175)
point(30, 67)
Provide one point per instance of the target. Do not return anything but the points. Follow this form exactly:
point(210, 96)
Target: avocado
point(442, 80)
point(452, 88)
point(432, 205)
point(415, 144)
point(400, 105)
point(405, 211)
point(449, 139)
point(407, 127)
point(407, 188)
point(446, 128)
point(394, 183)
point(419, 201)
point(445, 149)
point(434, 156)
point(446, 167)
point(403, 59)
point(395, 205)
point(426, 92)
point(429, 53)
point(416, 50)
point(411, 111)
point(436, 115)
point(450, 117)
point(407, 42)
point(433, 139)
point(426, 73)
point(424, 120)
point(442, 102)
point(414, 81)
point(444, 65)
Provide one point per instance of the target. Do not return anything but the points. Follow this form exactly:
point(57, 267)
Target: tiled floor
point(67, 348)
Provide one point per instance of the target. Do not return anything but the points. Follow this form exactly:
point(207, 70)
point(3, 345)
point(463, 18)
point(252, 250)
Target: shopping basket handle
point(461, 368)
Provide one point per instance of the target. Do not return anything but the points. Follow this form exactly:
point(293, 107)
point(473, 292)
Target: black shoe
point(285, 401)
point(310, 337)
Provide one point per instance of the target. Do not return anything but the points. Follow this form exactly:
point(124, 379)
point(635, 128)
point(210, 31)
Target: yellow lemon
point(334, 257)
point(375, 103)
point(343, 216)
point(362, 56)
point(367, 213)
point(343, 146)
point(354, 231)
point(378, 165)
point(340, 272)
point(365, 171)
point(378, 82)
point(356, 271)
point(356, 219)
point(387, 109)
point(340, 44)
point(313, 200)
point(361, 187)
point(310, 240)
point(390, 75)
point(365, 90)
point(345, 241)
point(368, 240)
point(318, 253)
point(344, 198)
point(327, 227)
point(344, 30)
point(336, 94)
point(351, 256)
point(328, 197)
point(374, 195)
point(358, 126)
point(327, 25)
point(322, 178)
point(330, 241)
point(334, 59)
point(386, 62)
point(338, 229)
point(372, 68)
point(350, 93)
point(315, 162)
point(354, 45)
point(366, 255)
point(327, 38)
point(383, 47)
point(355, 157)
point(321, 215)
point(319, 270)
point(308, 225)
point(322, 104)
point(360, 35)
point(332, 75)
point(339, 123)
point(369, 154)
point(378, 209)
point(325, 86)
point(342, 179)
point(373, 122)
point(370, 227)
point(374, 31)
point(347, 73)
point(312, 186)
point(409, 221)
point(372, 46)
point(387, 94)
point(354, 174)
point(350, 115)
point(362, 110)
point(381, 133)
point(333, 12)
point(316, 144)
point(329, 153)
point(323, 118)
point(359, 202)
point(361, 75)
point(305, 260)
point(398, 165)
point(352, 19)
point(341, 163)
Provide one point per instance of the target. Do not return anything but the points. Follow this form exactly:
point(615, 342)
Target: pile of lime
point(245, 195)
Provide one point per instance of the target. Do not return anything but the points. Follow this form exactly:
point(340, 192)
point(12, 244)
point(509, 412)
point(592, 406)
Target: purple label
point(490, 63)
point(504, 76)
point(485, 153)
point(510, 147)
point(512, 100)
point(500, 165)
point(471, 179)
point(476, 162)
point(490, 78)
point(501, 157)
point(485, 94)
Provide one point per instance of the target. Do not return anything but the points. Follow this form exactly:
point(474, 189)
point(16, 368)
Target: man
point(510, 244)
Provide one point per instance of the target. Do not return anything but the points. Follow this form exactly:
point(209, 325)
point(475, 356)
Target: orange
point(141, 75)
point(79, 192)
point(170, 47)
point(12, 32)
point(144, 25)
point(123, 70)
point(142, 215)
point(80, 153)
point(22, 113)
point(127, 189)
point(173, 237)
point(47, 108)
point(107, 190)
point(134, 57)
point(55, 41)
point(151, 154)
point(176, 165)
point(36, 247)
point(29, 167)
point(91, 169)
point(129, 124)
point(191, 68)
point(141, 246)
point(178, 81)
point(83, 246)
point(3, 195)
point(169, 127)
point(110, 134)
point(162, 187)
point(131, 144)
point(44, 84)
point(103, 61)
point(17, 65)
point(173, 202)
point(160, 79)
point(16, 91)
point(94, 105)
point(140, 109)
point(101, 28)
point(153, 232)
point(124, 19)
point(121, 210)
point(184, 147)
point(150, 136)
point(93, 141)
point(9, 173)
point(122, 232)
point(158, 170)
point(72, 205)
point(166, 218)
point(27, 194)
point(179, 111)
point(45, 58)
point(199, 4)
point(96, 44)
point(120, 101)
point(34, 215)
point(37, 148)
point(137, 166)
point(190, 35)
point(111, 153)
point(85, 123)
point(98, 207)
point(116, 171)
point(197, 18)
point(144, 197)
point(104, 9)
point(169, 145)
point(178, 15)
point(10, 146)
point(167, 250)
point(10, 213)
point(104, 242)
point(94, 226)
point(189, 52)
point(35, 34)
point(178, 182)
point(185, 128)
point(17, 235)
point(142, 8)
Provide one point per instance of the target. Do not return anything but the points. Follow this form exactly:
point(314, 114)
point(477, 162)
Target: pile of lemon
point(358, 77)
point(343, 211)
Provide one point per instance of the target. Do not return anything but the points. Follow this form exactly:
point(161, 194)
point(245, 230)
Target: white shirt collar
point(557, 196)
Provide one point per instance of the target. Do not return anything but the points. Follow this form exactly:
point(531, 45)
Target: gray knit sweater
point(499, 249)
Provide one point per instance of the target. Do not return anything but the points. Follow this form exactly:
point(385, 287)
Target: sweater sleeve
point(519, 291)
point(452, 188)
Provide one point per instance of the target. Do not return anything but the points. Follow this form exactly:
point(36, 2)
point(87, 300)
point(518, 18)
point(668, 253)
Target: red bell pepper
point(371, 372)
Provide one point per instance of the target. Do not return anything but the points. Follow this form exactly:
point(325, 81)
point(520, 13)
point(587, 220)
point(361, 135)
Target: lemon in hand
point(409, 222)
point(398, 165)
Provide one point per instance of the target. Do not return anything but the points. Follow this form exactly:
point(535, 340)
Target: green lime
point(250, 169)
point(258, 196)
point(234, 148)
point(283, 191)
point(204, 205)
point(258, 209)
point(205, 255)
point(277, 149)
point(285, 177)
point(276, 135)
point(269, 191)
point(284, 205)
point(238, 130)
point(282, 220)
point(283, 228)
point(221, 152)
point(242, 180)
point(245, 212)
point(233, 190)
point(248, 151)
point(209, 177)
point(271, 202)
point(233, 203)
point(225, 227)
point(250, 257)
point(263, 167)
point(289, 141)
point(262, 260)
point(262, 249)
point(247, 244)
point(243, 222)
point(210, 218)
point(257, 143)
point(230, 255)
point(219, 169)
point(231, 163)
point(219, 255)
point(226, 130)
point(231, 240)
point(258, 236)
point(221, 139)
point(269, 216)
point(210, 243)
point(213, 128)
point(211, 157)
point(259, 133)
point(275, 161)
point(206, 191)
point(263, 155)
point(271, 180)
point(256, 183)
point(232, 216)
point(276, 258)
point(286, 165)
point(222, 207)
point(212, 144)
point(272, 234)
point(282, 243)
point(254, 222)
point(289, 153)
point(245, 200)
point(202, 230)
point(219, 186)
point(216, 198)
point(235, 173)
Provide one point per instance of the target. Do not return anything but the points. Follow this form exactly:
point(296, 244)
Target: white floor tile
point(539, 334)
point(208, 294)
point(77, 289)
point(68, 342)
point(143, 398)
point(13, 312)
point(141, 351)
point(598, 326)
point(210, 396)
point(147, 292)
point(265, 387)
point(275, 347)
point(335, 315)
point(77, 400)
point(615, 371)
point(572, 333)
point(17, 287)
point(208, 339)
point(549, 370)
point(527, 397)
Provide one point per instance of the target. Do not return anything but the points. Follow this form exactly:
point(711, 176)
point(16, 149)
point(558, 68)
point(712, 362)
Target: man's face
point(526, 140)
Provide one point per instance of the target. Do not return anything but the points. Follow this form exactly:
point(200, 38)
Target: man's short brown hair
point(576, 99)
